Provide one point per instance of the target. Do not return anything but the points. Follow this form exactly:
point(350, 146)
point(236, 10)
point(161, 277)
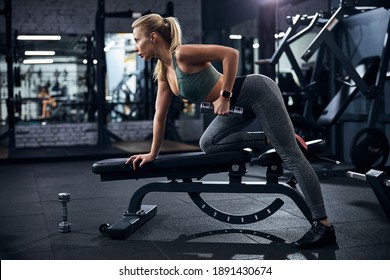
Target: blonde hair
point(168, 28)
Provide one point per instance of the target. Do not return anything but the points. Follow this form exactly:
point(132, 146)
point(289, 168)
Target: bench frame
point(138, 214)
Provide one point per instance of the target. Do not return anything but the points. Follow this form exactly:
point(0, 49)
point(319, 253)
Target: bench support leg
point(131, 222)
point(138, 214)
point(380, 185)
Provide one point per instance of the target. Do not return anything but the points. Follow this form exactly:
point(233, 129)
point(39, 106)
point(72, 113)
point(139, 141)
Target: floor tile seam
point(251, 237)
point(210, 202)
point(365, 246)
point(23, 215)
point(160, 249)
point(346, 232)
point(16, 188)
point(16, 253)
point(18, 215)
point(360, 239)
point(75, 212)
point(83, 211)
point(262, 199)
point(99, 239)
point(359, 221)
point(47, 227)
point(87, 175)
point(17, 249)
point(195, 215)
point(78, 199)
point(291, 211)
point(272, 228)
point(115, 242)
point(268, 231)
point(57, 254)
point(342, 232)
point(45, 220)
point(10, 204)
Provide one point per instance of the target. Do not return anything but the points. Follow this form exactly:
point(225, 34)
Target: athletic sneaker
point(319, 235)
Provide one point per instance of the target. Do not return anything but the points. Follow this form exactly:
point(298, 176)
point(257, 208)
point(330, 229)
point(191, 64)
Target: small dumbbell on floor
point(207, 108)
point(64, 198)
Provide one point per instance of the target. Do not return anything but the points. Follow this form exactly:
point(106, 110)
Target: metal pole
point(103, 140)
point(10, 74)
point(266, 24)
point(380, 81)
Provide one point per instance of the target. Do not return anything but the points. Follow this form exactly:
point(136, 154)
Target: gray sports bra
point(195, 87)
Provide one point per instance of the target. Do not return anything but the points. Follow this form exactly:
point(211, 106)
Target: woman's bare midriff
point(215, 92)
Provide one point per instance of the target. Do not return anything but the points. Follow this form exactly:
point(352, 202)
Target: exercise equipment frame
point(380, 184)
point(184, 173)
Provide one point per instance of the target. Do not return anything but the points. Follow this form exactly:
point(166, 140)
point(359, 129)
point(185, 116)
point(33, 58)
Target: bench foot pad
point(131, 222)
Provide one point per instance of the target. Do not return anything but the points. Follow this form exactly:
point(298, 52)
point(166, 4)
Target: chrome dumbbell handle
point(207, 108)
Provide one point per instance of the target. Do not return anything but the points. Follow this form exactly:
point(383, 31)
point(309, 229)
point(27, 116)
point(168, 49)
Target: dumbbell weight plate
point(64, 227)
point(207, 108)
point(369, 149)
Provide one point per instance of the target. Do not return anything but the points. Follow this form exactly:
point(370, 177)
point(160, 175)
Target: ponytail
point(168, 28)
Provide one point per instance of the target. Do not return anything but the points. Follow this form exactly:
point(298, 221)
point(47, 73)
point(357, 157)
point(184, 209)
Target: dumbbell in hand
point(207, 108)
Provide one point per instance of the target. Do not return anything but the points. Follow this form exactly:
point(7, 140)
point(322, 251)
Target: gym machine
point(294, 32)
point(370, 147)
point(380, 184)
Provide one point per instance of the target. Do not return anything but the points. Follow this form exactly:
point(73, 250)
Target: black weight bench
point(184, 173)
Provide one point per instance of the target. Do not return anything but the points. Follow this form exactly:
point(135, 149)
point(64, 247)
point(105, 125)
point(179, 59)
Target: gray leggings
point(262, 96)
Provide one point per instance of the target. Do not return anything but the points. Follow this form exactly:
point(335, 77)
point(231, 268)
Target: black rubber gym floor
point(30, 213)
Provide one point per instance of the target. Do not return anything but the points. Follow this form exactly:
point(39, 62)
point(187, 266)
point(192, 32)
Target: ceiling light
point(109, 46)
point(39, 53)
point(235, 37)
point(38, 61)
point(39, 37)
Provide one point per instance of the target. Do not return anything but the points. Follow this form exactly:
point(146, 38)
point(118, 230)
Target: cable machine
point(369, 147)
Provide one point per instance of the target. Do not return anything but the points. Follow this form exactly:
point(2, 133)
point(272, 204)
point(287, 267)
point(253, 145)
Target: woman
point(48, 102)
point(186, 71)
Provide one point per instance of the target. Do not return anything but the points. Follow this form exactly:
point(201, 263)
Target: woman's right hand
point(221, 106)
point(141, 159)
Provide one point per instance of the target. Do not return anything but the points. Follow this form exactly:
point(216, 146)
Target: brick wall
point(61, 134)
point(51, 135)
point(78, 17)
point(134, 130)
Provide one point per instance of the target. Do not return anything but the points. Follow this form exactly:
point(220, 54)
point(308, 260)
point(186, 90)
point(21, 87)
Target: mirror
point(55, 80)
point(47, 70)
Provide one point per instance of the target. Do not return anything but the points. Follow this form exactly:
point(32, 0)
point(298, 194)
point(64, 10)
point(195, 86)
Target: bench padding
point(175, 166)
